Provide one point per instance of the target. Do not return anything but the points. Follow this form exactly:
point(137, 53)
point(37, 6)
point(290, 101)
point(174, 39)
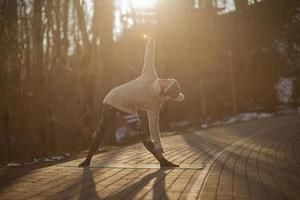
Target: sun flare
point(145, 36)
point(140, 4)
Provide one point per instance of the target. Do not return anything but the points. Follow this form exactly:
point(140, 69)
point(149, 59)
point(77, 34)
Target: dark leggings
point(141, 126)
point(109, 112)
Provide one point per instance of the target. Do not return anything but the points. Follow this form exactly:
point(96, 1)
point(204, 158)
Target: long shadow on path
point(132, 190)
point(88, 175)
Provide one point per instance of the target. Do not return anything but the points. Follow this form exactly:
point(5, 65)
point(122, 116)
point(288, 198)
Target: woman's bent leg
point(107, 118)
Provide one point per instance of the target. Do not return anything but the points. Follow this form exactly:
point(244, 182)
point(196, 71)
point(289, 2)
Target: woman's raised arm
point(149, 68)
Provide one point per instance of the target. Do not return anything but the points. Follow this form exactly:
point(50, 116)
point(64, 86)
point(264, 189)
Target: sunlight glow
point(145, 36)
point(141, 4)
point(137, 5)
point(127, 7)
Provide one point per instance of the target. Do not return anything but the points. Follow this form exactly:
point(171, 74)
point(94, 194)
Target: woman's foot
point(158, 155)
point(166, 163)
point(85, 163)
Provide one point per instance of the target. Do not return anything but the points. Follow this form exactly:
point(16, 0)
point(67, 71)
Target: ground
point(251, 160)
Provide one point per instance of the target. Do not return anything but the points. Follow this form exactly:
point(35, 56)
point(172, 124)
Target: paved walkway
point(251, 160)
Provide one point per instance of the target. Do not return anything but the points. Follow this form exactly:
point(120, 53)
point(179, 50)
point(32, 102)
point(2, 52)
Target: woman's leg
point(107, 118)
point(144, 133)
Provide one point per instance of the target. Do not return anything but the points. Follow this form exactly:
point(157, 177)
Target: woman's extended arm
point(149, 68)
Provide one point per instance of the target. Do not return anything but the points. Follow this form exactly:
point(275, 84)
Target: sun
point(142, 4)
point(127, 5)
point(125, 9)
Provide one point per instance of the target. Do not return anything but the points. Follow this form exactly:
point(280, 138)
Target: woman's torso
point(136, 94)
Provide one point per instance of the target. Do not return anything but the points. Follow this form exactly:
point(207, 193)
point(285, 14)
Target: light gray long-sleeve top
point(141, 93)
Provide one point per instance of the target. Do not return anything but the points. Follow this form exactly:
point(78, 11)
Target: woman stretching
point(144, 97)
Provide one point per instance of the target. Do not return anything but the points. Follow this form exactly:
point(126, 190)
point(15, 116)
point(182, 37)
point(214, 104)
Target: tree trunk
point(240, 5)
point(106, 21)
point(38, 75)
point(66, 10)
point(8, 73)
point(85, 64)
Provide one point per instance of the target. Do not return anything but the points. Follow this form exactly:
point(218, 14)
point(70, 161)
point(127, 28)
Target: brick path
point(251, 160)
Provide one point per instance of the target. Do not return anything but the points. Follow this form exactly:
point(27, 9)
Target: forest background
point(59, 58)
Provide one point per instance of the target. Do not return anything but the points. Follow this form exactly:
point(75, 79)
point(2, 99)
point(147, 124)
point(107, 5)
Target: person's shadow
point(130, 191)
point(89, 180)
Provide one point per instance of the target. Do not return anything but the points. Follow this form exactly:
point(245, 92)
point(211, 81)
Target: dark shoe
point(85, 163)
point(165, 163)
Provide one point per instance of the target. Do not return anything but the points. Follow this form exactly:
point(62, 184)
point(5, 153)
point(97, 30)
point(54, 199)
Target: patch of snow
point(57, 157)
point(204, 126)
point(287, 111)
point(35, 160)
point(265, 115)
point(247, 117)
point(231, 120)
point(12, 164)
point(285, 88)
point(281, 47)
point(121, 133)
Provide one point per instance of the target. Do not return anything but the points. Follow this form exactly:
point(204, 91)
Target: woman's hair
point(172, 90)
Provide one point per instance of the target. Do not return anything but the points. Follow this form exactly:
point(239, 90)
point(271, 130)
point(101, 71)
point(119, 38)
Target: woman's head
point(171, 88)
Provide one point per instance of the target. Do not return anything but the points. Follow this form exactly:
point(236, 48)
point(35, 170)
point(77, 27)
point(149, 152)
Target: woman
point(144, 97)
